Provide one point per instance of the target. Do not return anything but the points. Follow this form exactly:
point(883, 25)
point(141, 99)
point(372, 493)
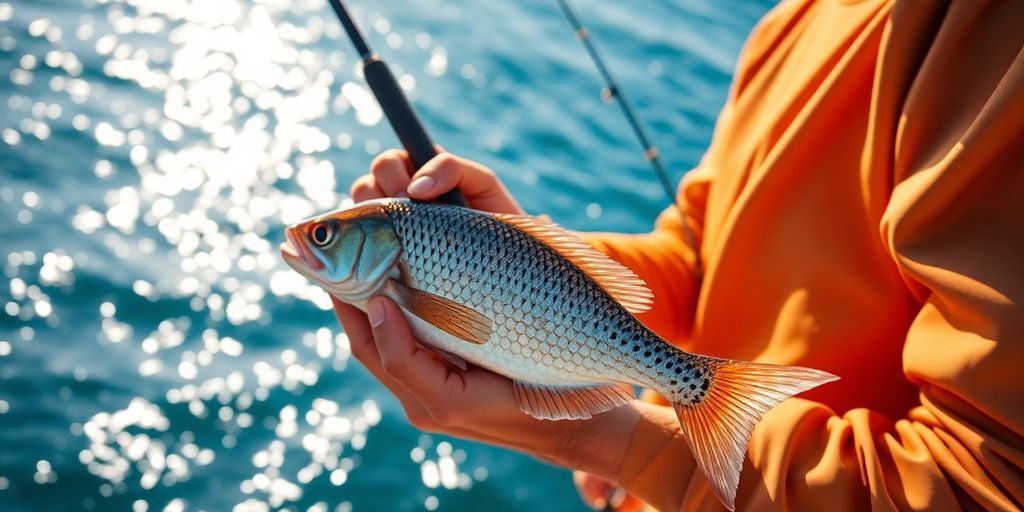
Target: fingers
point(390, 171)
point(594, 490)
point(482, 188)
point(364, 349)
point(360, 337)
point(404, 361)
point(365, 188)
point(389, 177)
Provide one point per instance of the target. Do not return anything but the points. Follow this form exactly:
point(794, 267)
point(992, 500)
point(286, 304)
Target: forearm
point(657, 464)
point(803, 455)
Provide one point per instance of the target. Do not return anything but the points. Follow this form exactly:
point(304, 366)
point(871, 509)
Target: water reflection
point(198, 183)
point(152, 149)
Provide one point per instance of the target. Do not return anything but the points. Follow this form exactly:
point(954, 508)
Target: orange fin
point(451, 317)
point(568, 403)
point(620, 282)
point(718, 428)
point(451, 358)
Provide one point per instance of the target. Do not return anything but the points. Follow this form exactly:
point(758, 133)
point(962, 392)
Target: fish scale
point(512, 279)
point(526, 299)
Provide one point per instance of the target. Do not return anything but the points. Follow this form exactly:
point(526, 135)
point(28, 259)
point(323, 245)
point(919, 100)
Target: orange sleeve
point(666, 265)
point(953, 137)
point(672, 270)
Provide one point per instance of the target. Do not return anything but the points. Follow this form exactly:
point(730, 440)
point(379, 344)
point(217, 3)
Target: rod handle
point(404, 120)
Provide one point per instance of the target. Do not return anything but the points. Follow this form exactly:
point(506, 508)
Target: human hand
point(599, 493)
point(389, 177)
point(475, 403)
point(436, 397)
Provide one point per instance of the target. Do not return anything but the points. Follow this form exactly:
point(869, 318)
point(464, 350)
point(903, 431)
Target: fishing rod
point(612, 91)
point(392, 100)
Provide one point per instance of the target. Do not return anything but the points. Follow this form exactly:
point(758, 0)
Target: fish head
point(349, 252)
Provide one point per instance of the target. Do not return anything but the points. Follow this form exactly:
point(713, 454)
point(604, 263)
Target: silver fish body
point(552, 323)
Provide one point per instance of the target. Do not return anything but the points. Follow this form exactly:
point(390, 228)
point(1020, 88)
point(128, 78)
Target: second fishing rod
point(418, 143)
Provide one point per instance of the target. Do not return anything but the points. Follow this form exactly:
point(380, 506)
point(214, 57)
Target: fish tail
point(719, 425)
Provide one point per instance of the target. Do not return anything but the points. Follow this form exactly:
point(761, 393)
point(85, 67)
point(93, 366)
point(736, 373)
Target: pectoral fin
point(568, 403)
point(451, 317)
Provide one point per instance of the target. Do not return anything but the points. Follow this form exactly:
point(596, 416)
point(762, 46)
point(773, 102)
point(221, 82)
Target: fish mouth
point(295, 251)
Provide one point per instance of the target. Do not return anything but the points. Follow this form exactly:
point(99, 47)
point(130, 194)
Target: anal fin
point(568, 402)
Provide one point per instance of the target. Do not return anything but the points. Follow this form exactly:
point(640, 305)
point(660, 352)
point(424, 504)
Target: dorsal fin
point(620, 282)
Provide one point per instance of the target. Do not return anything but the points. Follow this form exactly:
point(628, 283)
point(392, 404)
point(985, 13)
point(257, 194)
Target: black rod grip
point(404, 120)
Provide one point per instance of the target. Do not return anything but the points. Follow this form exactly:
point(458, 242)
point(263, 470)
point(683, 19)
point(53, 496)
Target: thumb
point(480, 185)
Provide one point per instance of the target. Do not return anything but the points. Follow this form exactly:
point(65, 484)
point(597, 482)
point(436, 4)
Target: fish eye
point(321, 234)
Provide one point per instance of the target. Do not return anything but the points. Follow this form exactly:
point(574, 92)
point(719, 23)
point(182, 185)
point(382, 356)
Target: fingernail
point(375, 312)
point(421, 185)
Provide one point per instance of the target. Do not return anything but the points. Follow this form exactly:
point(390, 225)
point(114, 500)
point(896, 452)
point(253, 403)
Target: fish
point(528, 299)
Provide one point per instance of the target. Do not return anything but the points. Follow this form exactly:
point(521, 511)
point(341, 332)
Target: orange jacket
point(860, 210)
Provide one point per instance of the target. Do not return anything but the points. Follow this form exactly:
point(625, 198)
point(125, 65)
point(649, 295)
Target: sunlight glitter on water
point(155, 149)
point(233, 151)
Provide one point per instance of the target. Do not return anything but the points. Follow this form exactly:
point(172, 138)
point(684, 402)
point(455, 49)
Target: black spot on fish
point(704, 385)
point(657, 360)
point(647, 353)
point(678, 371)
point(693, 387)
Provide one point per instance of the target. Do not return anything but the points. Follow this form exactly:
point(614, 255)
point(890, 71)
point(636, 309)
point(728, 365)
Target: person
point(858, 211)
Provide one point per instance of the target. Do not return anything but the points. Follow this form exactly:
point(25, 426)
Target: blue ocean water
point(156, 354)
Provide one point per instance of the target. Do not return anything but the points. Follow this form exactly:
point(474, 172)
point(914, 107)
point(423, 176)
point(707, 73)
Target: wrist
point(597, 445)
point(656, 451)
